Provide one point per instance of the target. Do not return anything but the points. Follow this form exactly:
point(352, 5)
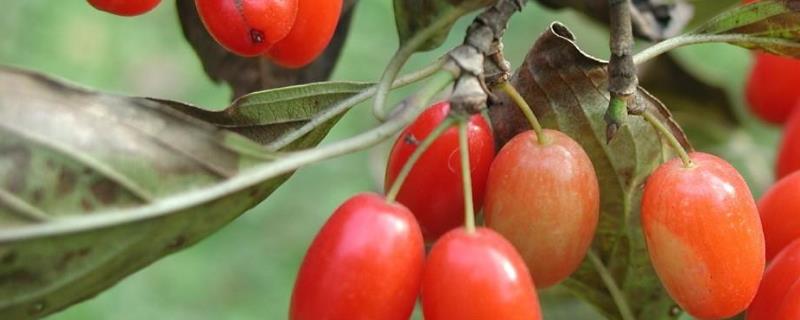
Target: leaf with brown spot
point(567, 90)
point(94, 187)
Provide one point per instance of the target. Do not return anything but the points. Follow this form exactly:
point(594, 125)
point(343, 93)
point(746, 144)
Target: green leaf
point(769, 25)
point(94, 187)
point(265, 116)
point(568, 91)
point(414, 16)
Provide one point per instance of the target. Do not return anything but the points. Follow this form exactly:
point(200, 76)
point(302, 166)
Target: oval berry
point(248, 27)
point(782, 272)
point(312, 31)
point(703, 235)
point(477, 276)
point(545, 199)
point(433, 188)
point(125, 8)
point(789, 149)
point(771, 89)
point(779, 208)
point(365, 263)
point(790, 308)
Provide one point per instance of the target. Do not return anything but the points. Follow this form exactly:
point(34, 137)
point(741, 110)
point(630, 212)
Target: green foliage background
point(246, 270)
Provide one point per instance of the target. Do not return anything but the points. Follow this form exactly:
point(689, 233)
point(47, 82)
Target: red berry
point(789, 150)
point(365, 263)
point(780, 214)
point(704, 236)
point(782, 272)
point(125, 7)
point(312, 31)
point(771, 90)
point(790, 308)
point(248, 27)
point(544, 198)
point(477, 276)
point(433, 188)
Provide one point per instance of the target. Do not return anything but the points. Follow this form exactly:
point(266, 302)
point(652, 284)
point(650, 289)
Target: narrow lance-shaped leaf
point(769, 25)
point(94, 187)
point(567, 89)
point(267, 115)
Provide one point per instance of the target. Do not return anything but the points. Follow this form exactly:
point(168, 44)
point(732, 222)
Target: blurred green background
point(246, 271)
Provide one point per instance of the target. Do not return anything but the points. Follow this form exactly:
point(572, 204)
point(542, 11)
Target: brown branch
point(622, 81)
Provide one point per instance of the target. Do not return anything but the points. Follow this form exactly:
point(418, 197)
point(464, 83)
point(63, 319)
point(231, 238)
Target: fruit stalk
point(423, 146)
point(673, 142)
point(526, 110)
point(469, 211)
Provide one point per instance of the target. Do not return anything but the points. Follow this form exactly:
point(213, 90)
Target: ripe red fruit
point(772, 87)
point(433, 188)
point(780, 214)
point(248, 27)
point(782, 272)
point(125, 7)
point(544, 198)
point(477, 276)
point(704, 236)
point(789, 149)
point(790, 308)
point(312, 31)
point(365, 263)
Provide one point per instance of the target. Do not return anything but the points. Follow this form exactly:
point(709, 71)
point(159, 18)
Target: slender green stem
point(691, 38)
point(611, 285)
point(418, 152)
point(344, 105)
point(258, 175)
point(526, 110)
point(466, 175)
point(673, 142)
point(404, 53)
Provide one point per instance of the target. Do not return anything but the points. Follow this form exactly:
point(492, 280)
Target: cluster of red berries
point(540, 198)
point(772, 94)
point(291, 33)
point(368, 261)
point(541, 205)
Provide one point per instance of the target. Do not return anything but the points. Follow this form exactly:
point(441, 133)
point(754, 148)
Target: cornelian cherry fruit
point(790, 308)
point(312, 31)
point(771, 89)
point(783, 271)
point(365, 263)
point(248, 27)
point(477, 275)
point(125, 8)
point(433, 188)
point(779, 208)
point(545, 199)
point(704, 236)
point(789, 149)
